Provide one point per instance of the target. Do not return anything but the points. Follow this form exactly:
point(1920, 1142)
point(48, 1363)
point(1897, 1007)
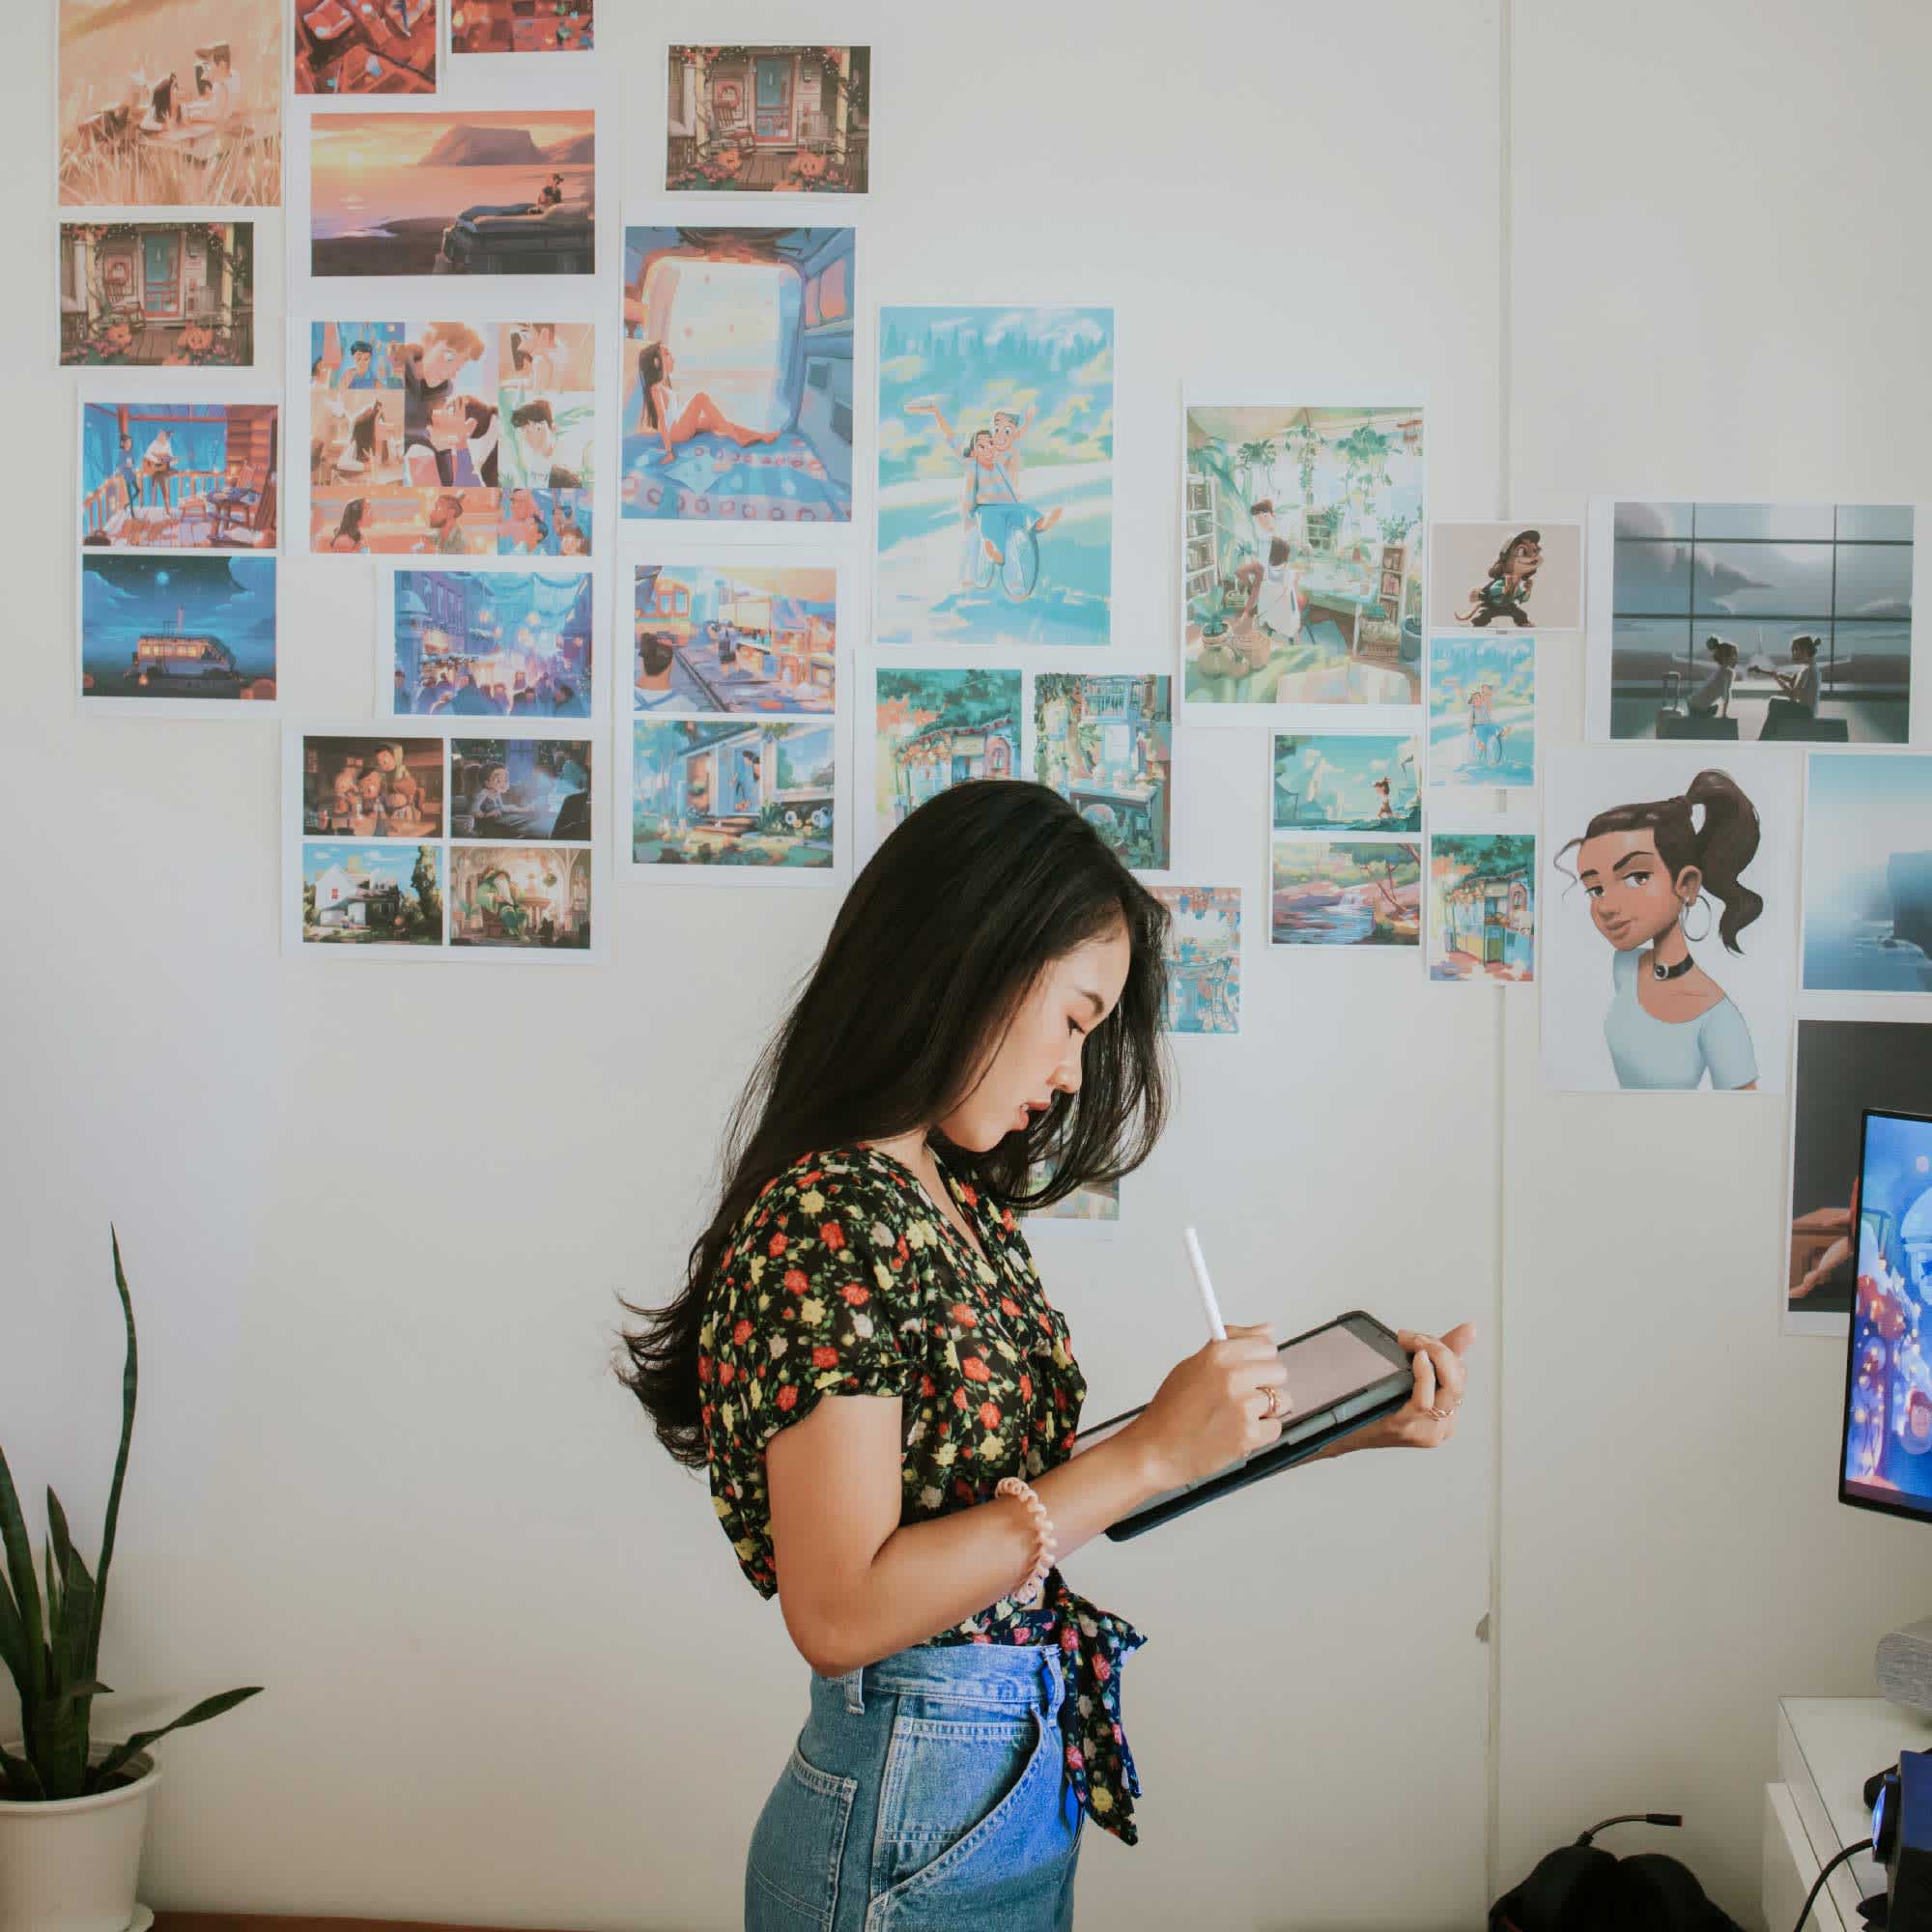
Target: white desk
point(1826, 1748)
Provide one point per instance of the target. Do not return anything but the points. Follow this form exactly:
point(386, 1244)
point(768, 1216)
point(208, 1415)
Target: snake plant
point(53, 1666)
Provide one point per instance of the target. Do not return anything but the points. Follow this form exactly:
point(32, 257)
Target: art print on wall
point(450, 437)
point(769, 120)
point(933, 729)
point(1482, 905)
point(1505, 576)
point(1330, 782)
point(736, 382)
point(1345, 848)
point(1669, 922)
point(996, 476)
point(1301, 559)
point(147, 295)
point(1345, 891)
point(733, 798)
point(434, 847)
point(1868, 873)
point(1106, 744)
point(349, 47)
point(487, 643)
point(1203, 950)
point(1776, 622)
point(178, 475)
point(453, 192)
point(1842, 1067)
point(173, 104)
point(727, 637)
point(1482, 710)
point(1096, 1206)
point(521, 27)
point(177, 634)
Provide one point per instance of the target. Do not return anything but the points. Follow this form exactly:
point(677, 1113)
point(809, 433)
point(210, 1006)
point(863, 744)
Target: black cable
point(1632, 1818)
point(1818, 1884)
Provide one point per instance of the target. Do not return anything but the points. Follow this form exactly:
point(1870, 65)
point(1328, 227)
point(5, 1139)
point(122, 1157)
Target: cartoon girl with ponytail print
point(1652, 873)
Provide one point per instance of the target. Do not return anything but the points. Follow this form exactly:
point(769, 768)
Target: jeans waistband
point(1028, 1676)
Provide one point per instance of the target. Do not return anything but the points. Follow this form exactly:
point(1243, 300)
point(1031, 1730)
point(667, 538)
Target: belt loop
point(1050, 1701)
point(854, 1682)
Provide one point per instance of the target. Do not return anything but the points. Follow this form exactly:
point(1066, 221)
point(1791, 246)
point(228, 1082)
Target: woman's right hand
point(1209, 1412)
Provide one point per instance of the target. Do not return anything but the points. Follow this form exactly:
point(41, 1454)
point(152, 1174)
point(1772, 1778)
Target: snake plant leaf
point(93, 1688)
point(129, 1380)
point(73, 1618)
point(23, 1779)
point(13, 1652)
point(26, 1595)
point(208, 1707)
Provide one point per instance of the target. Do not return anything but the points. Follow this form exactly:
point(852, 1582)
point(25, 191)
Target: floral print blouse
point(845, 1280)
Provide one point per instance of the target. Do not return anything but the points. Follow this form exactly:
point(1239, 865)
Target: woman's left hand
point(1428, 1419)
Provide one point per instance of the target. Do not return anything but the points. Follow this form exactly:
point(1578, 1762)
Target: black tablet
point(1341, 1377)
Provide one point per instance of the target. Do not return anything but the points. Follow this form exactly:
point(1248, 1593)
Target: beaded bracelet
point(1029, 1592)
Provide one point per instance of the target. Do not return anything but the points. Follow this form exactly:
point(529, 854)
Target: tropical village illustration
point(737, 375)
point(1303, 555)
point(734, 638)
point(1203, 958)
point(365, 47)
point(158, 295)
point(428, 192)
point(370, 895)
point(170, 103)
point(784, 118)
point(1107, 745)
point(175, 627)
point(937, 727)
point(1345, 891)
point(1482, 905)
point(726, 792)
point(178, 475)
point(1344, 783)
point(996, 475)
point(472, 644)
point(521, 27)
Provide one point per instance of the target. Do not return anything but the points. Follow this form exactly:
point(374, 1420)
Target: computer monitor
point(1886, 1463)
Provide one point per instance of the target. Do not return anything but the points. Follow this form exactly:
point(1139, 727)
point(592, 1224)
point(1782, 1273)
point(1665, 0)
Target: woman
point(1713, 697)
point(348, 535)
point(1645, 867)
point(678, 422)
point(863, 1353)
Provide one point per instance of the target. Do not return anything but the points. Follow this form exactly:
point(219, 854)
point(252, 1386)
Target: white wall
point(375, 1220)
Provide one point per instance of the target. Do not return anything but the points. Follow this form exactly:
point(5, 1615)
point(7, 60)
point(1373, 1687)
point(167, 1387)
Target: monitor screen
point(1887, 1452)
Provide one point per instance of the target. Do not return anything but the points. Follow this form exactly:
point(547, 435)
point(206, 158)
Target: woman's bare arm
point(855, 1586)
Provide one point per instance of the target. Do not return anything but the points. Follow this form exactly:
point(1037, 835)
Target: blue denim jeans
point(926, 1793)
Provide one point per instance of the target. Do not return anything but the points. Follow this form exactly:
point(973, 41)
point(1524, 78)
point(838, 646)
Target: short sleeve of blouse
point(1727, 1047)
point(812, 1300)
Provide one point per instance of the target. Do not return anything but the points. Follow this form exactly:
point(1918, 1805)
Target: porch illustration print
point(426, 191)
point(172, 103)
point(1203, 958)
point(737, 375)
point(1482, 905)
point(1106, 744)
point(1773, 622)
point(768, 120)
point(179, 475)
point(996, 476)
point(1301, 557)
point(450, 437)
point(734, 638)
point(146, 294)
point(934, 729)
point(1668, 935)
point(720, 797)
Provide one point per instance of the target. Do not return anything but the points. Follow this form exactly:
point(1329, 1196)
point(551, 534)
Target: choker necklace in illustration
point(1677, 972)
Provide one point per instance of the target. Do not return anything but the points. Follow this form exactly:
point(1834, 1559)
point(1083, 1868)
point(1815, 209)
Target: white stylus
point(1209, 1306)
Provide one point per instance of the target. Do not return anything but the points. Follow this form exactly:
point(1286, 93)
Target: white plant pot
point(72, 1865)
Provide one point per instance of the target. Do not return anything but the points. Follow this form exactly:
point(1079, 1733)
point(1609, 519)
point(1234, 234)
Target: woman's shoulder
point(842, 1184)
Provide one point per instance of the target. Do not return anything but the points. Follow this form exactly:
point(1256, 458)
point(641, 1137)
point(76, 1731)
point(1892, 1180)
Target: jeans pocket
point(791, 1872)
point(953, 1787)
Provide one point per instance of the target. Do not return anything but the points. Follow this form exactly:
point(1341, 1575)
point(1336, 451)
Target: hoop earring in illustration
point(1684, 920)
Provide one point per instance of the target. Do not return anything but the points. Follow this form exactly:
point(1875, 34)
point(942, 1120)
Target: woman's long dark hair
point(1721, 851)
point(650, 373)
point(937, 944)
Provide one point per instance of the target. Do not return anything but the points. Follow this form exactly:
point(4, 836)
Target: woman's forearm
point(931, 1576)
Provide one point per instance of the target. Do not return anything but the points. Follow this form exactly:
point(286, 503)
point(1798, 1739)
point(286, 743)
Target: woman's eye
point(1072, 1025)
point(1592, 892)
point(1637, 879)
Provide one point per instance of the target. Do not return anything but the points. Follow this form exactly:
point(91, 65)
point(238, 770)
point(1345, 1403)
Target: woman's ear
point(1688, 885)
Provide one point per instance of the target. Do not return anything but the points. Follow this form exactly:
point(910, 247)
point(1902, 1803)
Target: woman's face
point(1632, 897)
point(1039, 1057)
